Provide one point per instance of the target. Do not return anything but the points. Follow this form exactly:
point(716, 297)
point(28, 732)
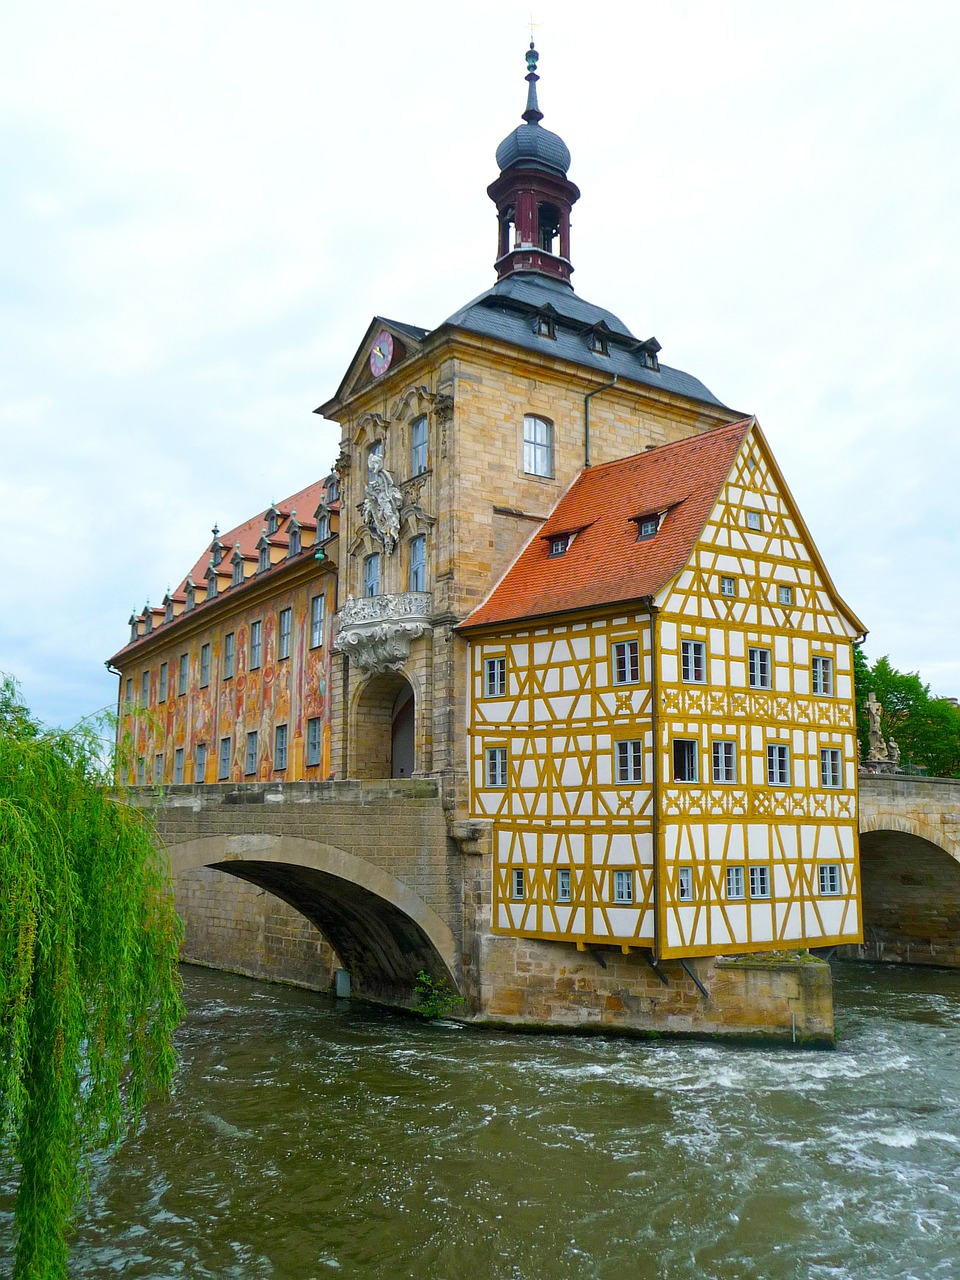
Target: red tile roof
point(247, 535)
point(605, 563)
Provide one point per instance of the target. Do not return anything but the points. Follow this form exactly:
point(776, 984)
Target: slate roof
point(509, 309)
point(606, 564)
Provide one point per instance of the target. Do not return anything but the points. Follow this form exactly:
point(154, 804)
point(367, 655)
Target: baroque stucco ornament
point(376, 631)
point(380, 509)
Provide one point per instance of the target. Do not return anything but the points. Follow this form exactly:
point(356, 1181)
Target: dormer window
point(191, 594)
point(559, 544)
point(216, 551)
point(546, 326)
point(147, 620)
point(647, 526)
point(237, 568)
point(333, 489)
point(263, 558)
point(323, 526)
point(273, 521)
point(168, 610)
point(599, 344)
point(211, 582)
point(293, 532)
point(134, 631)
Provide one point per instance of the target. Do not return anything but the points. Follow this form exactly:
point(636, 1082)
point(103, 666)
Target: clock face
point(381, 353)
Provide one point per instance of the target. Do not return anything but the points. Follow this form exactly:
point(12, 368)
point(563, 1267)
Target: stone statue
point(893, 751)
point(878, 748)
point(380, 509)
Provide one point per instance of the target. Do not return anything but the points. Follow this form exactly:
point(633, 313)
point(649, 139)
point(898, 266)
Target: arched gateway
point(383, 932)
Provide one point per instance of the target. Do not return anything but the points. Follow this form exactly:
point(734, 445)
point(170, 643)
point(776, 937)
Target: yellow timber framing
point(554, 814)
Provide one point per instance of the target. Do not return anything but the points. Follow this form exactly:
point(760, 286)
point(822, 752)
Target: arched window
point(418, 446)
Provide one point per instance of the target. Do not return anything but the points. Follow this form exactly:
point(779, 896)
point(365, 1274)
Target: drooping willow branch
point(89, 991)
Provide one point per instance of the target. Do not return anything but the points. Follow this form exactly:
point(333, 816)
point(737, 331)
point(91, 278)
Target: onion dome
point(529, 144)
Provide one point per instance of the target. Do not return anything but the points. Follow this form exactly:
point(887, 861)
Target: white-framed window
point(563, 884)
point(162, 685)
point(314, 740)
point(229, 655)
point(784, 594)
point(626, 662)
point(686, 766)
point(200, 762)
point(647, 527)
point(280, 747)
point(494, 677)
point(728, 586)
point(630, 760)
point(182, 669)
point(223, 770)
point(283, 633)
point(517, 883)
point(736, 883)
point(693, 661)
point(145, 689)
point(204, 665)
point(250, 763)
point(178, 767)
point(559, 544)
point(754, 520)
point(256, 645)
point(371, 575)
point(623, 886)
point(724, 759)
point(778, 764)
point(759, 669)
point(158, 768)
point(759, 882)
point(537, 446)
point(316, 622)
point(496, 766)
point(685, 884)
point(831, 767)
point(418, 563)
point(829, 876)
point(418, 446)
point(822, 673)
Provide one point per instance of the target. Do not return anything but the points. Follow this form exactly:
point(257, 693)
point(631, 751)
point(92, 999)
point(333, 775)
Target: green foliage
point(861, 691)
point(926, 729)
point(435, 997)
point(89, 987)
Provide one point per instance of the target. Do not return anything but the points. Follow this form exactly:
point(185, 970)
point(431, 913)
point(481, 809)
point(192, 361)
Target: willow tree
point(89, 991)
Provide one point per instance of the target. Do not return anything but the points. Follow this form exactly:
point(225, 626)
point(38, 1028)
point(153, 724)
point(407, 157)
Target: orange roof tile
point(605, 563)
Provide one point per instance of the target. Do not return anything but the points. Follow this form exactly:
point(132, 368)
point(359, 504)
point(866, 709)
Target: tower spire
point(533, 194)
point(533, 114)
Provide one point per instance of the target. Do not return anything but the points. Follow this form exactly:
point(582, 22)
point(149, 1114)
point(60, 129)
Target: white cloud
point(204, 206)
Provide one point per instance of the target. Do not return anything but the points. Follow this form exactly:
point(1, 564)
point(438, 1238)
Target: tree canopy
point(926, 729)
point(89, 986)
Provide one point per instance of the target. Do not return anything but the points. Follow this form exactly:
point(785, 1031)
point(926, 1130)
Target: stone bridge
point(372, 878)
point(910, 869)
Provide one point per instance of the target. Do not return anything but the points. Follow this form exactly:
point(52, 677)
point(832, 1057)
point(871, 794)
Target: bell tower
point(533, 194)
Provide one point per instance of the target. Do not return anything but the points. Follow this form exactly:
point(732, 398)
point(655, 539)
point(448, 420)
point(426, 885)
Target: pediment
point(404, 342)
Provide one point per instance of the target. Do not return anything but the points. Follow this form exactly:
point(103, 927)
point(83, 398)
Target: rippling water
point(307, 1138)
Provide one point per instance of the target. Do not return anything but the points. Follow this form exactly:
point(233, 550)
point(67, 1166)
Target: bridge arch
point(383, 932)
point(910, 889)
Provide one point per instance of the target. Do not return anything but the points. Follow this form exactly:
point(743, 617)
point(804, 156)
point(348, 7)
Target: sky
point(202, 206)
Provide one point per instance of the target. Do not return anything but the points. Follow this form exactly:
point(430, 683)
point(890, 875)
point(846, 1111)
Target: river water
point(308, 1138)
